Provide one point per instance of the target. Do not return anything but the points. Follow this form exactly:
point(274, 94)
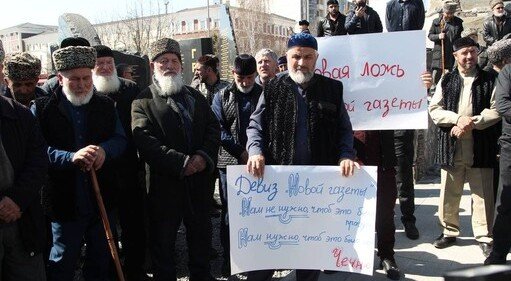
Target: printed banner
point(302, 217)
point(381, 77)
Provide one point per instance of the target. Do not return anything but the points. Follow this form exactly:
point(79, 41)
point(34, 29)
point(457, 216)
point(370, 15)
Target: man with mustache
point(123, 92)
point(233, 107)
point(21, 72)
point(463, 108)
point(300, 119)
point(83, 132)
point(178, 136)
point(497, 25)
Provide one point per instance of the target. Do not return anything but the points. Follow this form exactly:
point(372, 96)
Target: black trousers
point(403, 141)
point(385, 203)
point(502, 226)
point(224, 223)
point(265, 275)
point(163, 232)
point(132, 221)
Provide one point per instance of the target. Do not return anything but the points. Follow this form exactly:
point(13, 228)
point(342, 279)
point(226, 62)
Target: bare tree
point(252, 35)
point(143, 23)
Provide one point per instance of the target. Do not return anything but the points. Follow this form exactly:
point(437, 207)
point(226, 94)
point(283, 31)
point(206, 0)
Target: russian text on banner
point(302, 217)
point(380, 73)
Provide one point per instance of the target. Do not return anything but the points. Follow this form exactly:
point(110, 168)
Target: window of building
point(183, 26)
point(195, 25)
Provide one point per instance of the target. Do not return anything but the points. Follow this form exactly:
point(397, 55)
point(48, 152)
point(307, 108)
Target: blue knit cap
point(302, 40)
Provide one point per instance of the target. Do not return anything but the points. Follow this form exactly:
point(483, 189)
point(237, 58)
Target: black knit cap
point(103, 51)
point(282, 60)
point(74, 41)
point(330, 2)
point(245, 64)
point(463, 42)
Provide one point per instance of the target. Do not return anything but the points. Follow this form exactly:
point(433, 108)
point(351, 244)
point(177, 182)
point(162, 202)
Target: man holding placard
point(300, 119)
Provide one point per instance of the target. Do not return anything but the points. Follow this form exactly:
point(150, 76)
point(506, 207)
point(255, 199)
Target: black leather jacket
point(356, 25)
point(327, 27)
point(490, 32)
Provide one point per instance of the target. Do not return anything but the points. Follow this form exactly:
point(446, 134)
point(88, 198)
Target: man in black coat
point(496, 26)
point(22, 174)
point(363, 19)
point(83, 132)
point(21, 72)
point(123, 92)
point(401, 16)
point(333, 23)
point(444, 31)
point(178, 136)
point(502, 227)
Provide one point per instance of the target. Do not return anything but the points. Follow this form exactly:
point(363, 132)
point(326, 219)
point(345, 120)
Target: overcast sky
point(16, 12)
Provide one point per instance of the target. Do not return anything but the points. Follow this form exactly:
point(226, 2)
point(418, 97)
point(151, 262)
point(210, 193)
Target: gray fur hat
point(74, 57)
point(499, 51)
point(449, 6)
point(163, 46)
point(21, 66)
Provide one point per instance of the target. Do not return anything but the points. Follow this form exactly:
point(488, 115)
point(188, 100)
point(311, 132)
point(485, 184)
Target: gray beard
point(106, 84)
point(74, 99)
point(169, 85)
point(300, 77)
point(244, 90)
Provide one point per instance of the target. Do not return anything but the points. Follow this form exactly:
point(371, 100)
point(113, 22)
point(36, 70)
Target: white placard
point(380, 73)
point(302, 217)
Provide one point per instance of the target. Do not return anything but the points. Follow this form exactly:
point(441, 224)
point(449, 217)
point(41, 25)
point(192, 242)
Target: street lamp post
point(207, 21)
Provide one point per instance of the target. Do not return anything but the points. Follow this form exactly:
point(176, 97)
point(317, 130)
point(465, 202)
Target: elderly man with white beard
point(83, 132)
point(123, 92)
point(178, 136)
point(300, 119)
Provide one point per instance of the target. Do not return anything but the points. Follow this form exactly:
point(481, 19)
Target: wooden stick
point(442, 26)
point(106, 225)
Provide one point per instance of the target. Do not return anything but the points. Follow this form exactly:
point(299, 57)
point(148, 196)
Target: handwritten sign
point(381, 78)
point(302, 217)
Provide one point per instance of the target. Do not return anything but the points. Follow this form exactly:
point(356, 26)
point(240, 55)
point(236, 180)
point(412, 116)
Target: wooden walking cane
point(106, 225)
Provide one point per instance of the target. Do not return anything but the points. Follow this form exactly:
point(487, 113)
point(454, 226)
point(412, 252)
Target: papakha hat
point(21, 66)
point(74, 57)
point(163, 46)
point(499, 51)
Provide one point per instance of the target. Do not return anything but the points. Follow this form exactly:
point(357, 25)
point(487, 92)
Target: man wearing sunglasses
point(498, 24)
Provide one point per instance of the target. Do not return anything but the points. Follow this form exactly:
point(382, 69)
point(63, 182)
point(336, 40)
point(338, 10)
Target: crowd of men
point(158, 151)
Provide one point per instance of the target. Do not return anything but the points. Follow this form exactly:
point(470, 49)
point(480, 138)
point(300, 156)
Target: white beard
point(106, 84)
point(74, 99)
point(299, 76)
point(244, 90)
point(169, 85)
